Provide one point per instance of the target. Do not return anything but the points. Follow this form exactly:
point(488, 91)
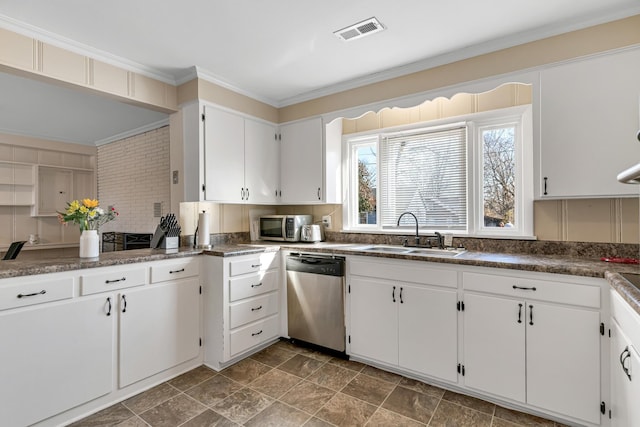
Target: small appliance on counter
point(312, 233)
point(167, 235)
point(283, 228)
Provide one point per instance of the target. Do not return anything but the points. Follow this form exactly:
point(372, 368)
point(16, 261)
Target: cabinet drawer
point(253, 309)
point(252, 335)
point(112, 280)
point(409, 271)
point(244, 266)
point(255, 284)
point(35, 292)
point(174, 270)
point(545, 290)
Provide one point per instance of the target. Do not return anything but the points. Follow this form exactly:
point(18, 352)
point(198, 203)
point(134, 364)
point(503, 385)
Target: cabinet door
point(625, 389)
point(54, 190)
point(83, 185)
point(589, 119)
point(563, 360)
point(159, 328)
point(374, 319)
point(494, 345)
point(224, 156)
point(50, 361)
point(428, 331)
point(261, 162)
point(301, 161)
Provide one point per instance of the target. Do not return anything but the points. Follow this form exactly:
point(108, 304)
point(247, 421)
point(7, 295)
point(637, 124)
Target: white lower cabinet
point(54, 357)
point(403, 324)
point(75, 342)
point(241, 305)
point(536, 352)
point(159, 328)
point(494, 346)
point(625, 364)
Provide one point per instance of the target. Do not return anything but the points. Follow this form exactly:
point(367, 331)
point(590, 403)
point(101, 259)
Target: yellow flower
point(90, 203)
point(73, 207)
point(83, 209)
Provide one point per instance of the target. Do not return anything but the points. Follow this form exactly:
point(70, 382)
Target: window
point(467, 178)
point(425, 172)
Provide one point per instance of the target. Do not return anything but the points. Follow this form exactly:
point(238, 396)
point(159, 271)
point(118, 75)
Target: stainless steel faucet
point(417, 238)
point(439, 236)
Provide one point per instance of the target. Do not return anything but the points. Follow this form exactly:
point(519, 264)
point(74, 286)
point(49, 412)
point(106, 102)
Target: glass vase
point(89, 244)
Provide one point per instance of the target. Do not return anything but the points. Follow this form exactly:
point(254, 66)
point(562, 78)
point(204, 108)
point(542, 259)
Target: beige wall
point(133, 174)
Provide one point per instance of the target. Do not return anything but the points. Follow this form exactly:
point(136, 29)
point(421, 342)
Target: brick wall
point(133, 174)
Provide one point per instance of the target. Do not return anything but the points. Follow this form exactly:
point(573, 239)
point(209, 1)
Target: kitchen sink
point(408, 250)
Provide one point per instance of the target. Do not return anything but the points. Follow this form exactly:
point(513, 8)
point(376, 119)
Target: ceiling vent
point(361, 29)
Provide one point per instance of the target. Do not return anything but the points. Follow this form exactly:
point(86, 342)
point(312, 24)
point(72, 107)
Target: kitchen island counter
point(16, 267)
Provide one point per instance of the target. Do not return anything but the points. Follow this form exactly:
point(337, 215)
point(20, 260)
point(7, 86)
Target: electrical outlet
point(326, 220)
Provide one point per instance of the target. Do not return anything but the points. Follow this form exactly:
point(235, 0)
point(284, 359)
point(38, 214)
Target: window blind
point(425, 172)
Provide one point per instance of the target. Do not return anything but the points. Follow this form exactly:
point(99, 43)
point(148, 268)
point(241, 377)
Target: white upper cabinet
point(230, 157)
point(261, 162)
point(241, 158)
point(589, 118)
point(224, 156)
point(301, 159)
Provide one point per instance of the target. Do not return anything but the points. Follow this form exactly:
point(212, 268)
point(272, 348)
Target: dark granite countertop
point(16, 267)
point(557, 264)
point(627, 291)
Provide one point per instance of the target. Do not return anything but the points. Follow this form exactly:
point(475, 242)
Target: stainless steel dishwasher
point(315, 300)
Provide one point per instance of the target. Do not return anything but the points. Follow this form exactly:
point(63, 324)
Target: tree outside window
point(499, 166)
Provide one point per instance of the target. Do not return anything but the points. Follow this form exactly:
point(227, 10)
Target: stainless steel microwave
point(283, 228)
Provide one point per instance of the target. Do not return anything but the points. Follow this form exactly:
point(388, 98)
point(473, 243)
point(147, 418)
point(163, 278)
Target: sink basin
point(391, 249)
point(407, 250)
point(437, 252)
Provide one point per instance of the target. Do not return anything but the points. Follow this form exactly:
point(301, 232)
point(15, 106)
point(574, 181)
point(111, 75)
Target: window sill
point(430, 234)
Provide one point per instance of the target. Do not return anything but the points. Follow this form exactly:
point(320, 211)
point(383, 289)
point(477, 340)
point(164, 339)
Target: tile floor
point(285, 385)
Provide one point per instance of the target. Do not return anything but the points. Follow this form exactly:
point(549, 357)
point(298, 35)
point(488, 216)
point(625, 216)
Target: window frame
point(520, 117)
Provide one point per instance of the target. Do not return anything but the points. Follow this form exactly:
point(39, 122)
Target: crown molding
point(213, 78)
point(82, 49)
point(133, 132)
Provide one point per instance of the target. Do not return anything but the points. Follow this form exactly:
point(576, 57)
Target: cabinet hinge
point(200, 342)
point(603, 408)
point(602, 332)
point(461, 369)
point(460, 305)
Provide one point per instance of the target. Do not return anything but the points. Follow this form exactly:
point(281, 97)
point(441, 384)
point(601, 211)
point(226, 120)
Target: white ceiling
point(282, 52)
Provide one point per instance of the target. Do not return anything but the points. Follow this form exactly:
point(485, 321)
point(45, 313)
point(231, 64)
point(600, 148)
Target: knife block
point(161, 241)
